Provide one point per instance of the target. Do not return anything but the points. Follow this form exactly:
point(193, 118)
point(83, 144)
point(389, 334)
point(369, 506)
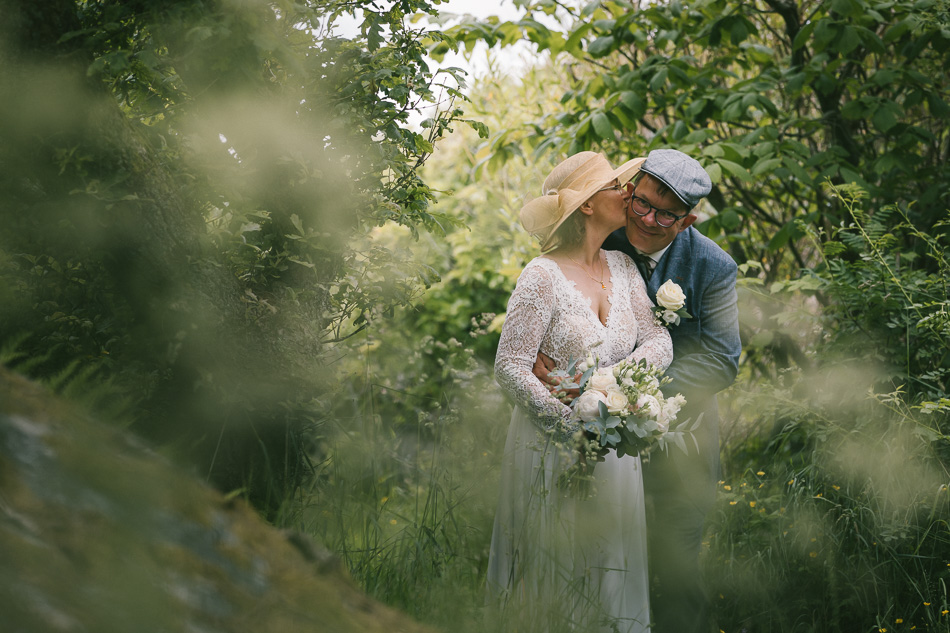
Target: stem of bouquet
point(577, 479)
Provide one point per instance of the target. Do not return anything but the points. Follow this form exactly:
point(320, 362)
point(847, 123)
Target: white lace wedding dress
point(566, 562)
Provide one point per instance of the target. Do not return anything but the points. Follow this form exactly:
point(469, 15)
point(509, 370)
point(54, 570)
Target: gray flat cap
point(683, 175)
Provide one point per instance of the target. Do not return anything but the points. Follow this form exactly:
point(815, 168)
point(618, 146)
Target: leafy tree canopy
point(774, 97)
point(186, 187)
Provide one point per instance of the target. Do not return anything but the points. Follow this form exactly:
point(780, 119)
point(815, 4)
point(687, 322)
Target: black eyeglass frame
point(656, 211)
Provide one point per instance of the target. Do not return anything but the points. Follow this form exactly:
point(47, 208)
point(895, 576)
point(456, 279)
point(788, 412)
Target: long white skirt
point(564, 561)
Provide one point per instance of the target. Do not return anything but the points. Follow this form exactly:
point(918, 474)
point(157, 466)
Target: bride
point(565, 562)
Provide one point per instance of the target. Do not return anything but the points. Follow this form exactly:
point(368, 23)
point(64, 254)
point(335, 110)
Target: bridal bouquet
point(622, 408)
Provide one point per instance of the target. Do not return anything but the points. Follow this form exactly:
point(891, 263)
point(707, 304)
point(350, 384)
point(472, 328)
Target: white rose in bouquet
point(671, 296)
point(616, 401)
point(602, 379)
point(587, 406)
point(669, 410)
point(636, 416)
point(650, 383)
point(648, 405)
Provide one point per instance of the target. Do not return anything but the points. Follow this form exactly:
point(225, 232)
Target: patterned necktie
point(644, 264)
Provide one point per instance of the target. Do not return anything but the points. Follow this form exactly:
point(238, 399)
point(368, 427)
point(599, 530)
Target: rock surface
point(99, 534)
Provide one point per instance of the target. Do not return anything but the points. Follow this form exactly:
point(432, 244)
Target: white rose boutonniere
point(670, 300)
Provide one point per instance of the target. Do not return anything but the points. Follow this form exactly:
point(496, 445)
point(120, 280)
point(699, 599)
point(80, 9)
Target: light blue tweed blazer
point(706, 351)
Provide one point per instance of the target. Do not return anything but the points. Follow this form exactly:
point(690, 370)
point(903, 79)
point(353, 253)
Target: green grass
point(411, 515)
point(799, 540)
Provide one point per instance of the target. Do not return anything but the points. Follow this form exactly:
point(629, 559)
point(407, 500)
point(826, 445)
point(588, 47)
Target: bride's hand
point(543, 366)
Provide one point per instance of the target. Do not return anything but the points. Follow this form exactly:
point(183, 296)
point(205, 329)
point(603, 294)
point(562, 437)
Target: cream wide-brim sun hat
point(570, 185)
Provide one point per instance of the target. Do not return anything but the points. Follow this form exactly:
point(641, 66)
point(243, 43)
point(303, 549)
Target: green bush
point(834, 510)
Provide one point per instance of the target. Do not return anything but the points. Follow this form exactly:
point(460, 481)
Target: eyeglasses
point(663, 217)
point(611, 188)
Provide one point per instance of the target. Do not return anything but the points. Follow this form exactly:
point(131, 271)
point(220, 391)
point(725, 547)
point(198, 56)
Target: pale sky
point(510, 58)
point(477, 62)
point(505, 9)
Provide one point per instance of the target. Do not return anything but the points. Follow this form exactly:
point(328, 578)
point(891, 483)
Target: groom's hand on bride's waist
point(543, 366)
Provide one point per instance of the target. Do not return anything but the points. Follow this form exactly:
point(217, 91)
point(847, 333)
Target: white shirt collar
point(655, 257)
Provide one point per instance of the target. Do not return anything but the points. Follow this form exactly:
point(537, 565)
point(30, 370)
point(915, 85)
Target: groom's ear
point(687, 222)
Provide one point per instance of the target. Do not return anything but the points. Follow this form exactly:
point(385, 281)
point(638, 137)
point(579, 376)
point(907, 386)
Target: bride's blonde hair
point(571, 233)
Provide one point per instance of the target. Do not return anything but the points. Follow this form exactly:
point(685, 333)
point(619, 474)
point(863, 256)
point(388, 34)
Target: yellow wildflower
point(752, 504)
point(760, 473)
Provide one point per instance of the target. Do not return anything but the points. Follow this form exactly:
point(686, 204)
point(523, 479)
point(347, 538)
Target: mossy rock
point(100, 534)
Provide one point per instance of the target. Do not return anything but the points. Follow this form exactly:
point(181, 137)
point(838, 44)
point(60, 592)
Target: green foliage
point(833, 516)
point(889, 282)
point(772, 97)
point(187, 187)
point(449, 333)
point(834, 506)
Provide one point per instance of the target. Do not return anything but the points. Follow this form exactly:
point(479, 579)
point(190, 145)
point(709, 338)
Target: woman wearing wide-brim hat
point(555, 555)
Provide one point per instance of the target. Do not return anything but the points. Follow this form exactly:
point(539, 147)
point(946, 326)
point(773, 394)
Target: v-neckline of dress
point(588, 301)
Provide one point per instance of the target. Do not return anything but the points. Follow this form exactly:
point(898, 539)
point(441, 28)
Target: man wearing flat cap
point(681, 488)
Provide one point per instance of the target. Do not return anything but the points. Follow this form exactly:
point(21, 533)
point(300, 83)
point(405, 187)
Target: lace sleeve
point(653, 341)
point(530, 310)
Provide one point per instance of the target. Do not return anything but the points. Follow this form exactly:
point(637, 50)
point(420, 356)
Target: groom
point(680, 488)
